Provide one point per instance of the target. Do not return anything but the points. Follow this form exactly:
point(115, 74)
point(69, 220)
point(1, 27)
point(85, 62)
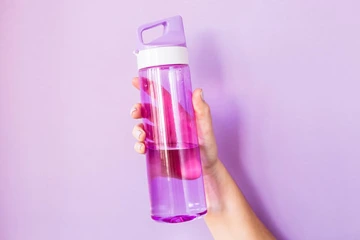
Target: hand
point(207, 142)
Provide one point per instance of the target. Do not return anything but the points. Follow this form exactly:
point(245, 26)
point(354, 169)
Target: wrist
point(214, 177)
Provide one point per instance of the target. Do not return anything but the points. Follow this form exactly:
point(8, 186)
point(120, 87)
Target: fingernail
point(139, 146)
point(138, 134)
point(133, 110)
point(202, 94)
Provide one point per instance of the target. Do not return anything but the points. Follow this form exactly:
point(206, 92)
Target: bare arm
point(230, 216)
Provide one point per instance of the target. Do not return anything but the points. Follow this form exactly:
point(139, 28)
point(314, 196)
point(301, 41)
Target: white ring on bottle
point(162, 56)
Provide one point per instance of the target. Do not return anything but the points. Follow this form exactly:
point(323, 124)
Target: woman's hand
point(206, 136)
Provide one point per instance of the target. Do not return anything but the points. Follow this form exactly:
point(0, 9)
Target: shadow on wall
point(208, 67)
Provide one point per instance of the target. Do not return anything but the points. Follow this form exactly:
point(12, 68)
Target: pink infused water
point(176, 163)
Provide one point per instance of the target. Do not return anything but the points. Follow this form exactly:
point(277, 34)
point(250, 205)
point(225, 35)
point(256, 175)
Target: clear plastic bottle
point(172, 151)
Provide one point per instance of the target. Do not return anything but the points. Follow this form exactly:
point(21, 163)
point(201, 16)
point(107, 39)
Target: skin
point(229, 215)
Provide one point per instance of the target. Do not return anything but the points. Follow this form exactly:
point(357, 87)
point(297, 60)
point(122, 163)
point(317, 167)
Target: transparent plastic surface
point(173, 155)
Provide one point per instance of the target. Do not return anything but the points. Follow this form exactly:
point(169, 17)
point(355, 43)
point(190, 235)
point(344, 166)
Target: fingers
point(138, 131)
point(139, 134)
point(136, 82)
point(135, 111)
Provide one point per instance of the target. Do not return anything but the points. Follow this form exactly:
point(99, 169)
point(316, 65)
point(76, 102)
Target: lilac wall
point(282, 78)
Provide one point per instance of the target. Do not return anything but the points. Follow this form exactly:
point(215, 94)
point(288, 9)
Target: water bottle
point(174, 169)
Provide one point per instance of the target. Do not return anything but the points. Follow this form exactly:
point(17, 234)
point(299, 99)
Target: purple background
point(282, 78)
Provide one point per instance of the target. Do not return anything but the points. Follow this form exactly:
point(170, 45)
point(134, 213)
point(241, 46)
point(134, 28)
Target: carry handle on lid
point(173, 34)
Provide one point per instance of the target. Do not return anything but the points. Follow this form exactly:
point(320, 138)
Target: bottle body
point(172, 151)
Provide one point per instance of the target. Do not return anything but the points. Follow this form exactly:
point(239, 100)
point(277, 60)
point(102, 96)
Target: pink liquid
point(174, 163)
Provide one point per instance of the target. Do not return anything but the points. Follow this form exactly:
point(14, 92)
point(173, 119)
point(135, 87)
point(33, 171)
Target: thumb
point(206, 134)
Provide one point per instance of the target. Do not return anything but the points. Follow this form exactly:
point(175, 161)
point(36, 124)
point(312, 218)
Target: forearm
point(229, 214)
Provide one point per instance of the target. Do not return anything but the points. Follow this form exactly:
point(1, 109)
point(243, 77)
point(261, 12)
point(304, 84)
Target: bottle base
point(179, 218)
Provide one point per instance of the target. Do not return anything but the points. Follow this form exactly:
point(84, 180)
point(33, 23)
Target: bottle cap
point(169, 48)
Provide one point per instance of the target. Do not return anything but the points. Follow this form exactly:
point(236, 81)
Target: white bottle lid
point(162, 56)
